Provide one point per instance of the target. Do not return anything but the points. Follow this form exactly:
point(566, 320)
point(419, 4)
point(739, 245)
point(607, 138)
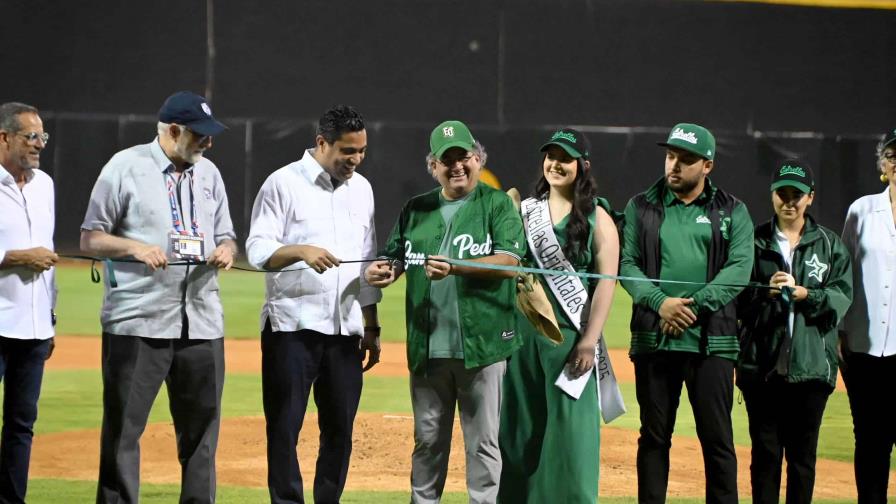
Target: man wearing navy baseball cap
point(164, 205)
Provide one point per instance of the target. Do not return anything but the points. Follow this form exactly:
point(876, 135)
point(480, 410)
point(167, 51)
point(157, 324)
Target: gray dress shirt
point(130, 199)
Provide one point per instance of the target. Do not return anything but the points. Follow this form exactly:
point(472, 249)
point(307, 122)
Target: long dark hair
point(584, 191)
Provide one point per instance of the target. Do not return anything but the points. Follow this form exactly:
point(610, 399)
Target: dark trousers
point(133, 371)
point(710, 384)
point(784, 422)
point(290, 363)
point(868, 379)
point(22, 370)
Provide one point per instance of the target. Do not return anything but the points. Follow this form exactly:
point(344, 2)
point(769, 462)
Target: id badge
point(188, 247)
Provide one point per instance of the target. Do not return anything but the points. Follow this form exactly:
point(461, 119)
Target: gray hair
point(478, 149)
point(879, 150)
point(9, 115)
point(162, 128)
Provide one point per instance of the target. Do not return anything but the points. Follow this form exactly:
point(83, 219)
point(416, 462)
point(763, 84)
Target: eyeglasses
point(450, 161)
point(200, 139)
point(34, 136)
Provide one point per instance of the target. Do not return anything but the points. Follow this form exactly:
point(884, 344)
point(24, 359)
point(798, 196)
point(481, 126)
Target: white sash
point(572, 296)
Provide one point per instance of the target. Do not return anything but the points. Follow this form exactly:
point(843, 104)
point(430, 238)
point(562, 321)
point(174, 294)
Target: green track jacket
point(822, 265)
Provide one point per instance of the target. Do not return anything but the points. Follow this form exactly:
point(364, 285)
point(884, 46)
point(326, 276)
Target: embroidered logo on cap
point(206, 109)
point(569, 137)
point(792, 170)
point(448, 131)
point(688, 136)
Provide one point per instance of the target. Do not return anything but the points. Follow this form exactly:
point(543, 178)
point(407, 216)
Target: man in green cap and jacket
point(460, 319)
point(684, 228)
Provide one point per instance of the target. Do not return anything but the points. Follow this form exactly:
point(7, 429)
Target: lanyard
point(176, 215)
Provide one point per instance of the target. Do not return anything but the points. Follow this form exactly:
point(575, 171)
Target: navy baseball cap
point(190, 110)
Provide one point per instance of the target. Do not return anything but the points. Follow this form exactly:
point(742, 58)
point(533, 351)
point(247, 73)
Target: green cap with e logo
point(450, 134)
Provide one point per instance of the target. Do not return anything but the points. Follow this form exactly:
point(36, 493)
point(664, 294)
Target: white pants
point(477, 394)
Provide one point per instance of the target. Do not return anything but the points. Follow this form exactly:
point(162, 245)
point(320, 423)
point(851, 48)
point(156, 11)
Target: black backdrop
point(768, 80)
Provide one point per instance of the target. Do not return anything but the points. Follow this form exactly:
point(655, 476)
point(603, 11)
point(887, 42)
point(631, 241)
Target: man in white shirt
point(308, 218)
point(159, 203)
point(27, 287)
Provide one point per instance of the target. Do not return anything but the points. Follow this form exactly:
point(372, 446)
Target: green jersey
point(486, 224)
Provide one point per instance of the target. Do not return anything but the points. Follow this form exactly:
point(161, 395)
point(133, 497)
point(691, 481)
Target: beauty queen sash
point(572, 296)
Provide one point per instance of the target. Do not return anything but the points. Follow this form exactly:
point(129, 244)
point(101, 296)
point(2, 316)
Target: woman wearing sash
point(787, 367)
point(550, 442)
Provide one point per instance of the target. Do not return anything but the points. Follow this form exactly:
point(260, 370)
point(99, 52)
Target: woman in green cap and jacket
point(788, 361)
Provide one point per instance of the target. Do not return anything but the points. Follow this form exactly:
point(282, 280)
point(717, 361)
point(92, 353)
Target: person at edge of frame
point(155, 204)
point(27, 287)
point(686, 228)
point(460, 319)
point(868, 332)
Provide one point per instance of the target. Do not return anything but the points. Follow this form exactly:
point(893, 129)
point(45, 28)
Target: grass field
point(71, 400)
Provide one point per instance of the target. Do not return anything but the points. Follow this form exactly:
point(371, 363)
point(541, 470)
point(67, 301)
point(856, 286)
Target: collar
point(670, 199)
point(309, 168)
point(6, 178)
point(765, 233)
point(881, 202)
point(161, 160)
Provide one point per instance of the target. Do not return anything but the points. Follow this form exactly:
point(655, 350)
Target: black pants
point(22, 370)
point(868, 380)
point(710, 383)
point(784, 422)
point(133, 371)
point(290, 363)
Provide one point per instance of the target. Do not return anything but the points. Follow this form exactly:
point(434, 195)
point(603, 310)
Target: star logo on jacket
point(818, 268)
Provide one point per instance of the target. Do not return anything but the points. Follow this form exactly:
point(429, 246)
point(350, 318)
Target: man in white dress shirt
point(27, 287)
point(308, 217)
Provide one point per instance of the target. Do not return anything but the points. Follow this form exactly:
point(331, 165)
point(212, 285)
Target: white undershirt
point(787, 254)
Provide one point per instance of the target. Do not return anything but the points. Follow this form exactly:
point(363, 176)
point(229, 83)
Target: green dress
point(550, 442)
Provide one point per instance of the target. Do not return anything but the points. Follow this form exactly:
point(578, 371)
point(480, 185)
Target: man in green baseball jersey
point(684, 228)
point(460, 320)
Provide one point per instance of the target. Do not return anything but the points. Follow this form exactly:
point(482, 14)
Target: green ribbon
point(786, 292)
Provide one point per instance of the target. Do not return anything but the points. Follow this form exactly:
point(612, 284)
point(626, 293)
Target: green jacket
point(487, 224)
point(822, 265)
point(709, 240)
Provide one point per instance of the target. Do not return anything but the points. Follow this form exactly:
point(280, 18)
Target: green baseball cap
point(889, 138)
point(692, 138)
point(794, 173)
point(572, 141)
point(450, 134)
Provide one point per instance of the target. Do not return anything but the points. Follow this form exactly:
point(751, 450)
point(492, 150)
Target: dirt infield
point(383, 443)
point(381, 458)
